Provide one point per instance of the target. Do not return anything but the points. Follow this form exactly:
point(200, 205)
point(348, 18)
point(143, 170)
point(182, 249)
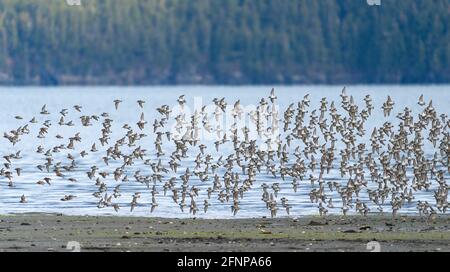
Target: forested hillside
point(224, 42)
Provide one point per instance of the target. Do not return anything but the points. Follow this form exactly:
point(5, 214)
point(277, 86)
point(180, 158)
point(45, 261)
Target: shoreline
point(52, 232)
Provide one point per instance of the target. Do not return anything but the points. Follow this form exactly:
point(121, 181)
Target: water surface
point(27, 102)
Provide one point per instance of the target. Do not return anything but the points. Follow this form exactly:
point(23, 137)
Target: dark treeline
point(224, 42)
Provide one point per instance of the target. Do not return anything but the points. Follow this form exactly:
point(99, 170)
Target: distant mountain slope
point(224, 42)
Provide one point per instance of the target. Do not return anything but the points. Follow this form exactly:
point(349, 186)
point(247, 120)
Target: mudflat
point(53, 232)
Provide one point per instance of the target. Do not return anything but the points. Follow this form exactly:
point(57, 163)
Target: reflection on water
point(20, 105)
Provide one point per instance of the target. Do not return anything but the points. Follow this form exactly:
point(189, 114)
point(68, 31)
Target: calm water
point(27, 103)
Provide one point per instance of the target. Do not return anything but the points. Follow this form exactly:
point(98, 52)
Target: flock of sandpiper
point(300, 147)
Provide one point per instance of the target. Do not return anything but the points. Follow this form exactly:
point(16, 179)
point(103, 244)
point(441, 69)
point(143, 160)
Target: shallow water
point(27, 103)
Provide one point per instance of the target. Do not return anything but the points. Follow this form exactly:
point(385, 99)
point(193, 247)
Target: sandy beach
point(52, 232)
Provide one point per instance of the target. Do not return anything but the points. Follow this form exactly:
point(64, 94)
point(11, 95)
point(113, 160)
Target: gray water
point(27, 103)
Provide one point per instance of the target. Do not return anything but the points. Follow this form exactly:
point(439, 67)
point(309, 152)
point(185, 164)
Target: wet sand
point(51, 232)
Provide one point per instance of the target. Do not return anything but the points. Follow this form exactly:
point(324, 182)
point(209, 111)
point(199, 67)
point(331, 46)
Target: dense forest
point(224, 42)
